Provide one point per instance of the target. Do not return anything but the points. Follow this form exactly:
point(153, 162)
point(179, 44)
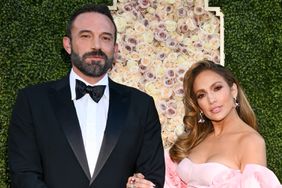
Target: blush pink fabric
point(188, 174)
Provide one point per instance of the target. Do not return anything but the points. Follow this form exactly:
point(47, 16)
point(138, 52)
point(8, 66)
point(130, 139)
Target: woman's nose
point(211, 98)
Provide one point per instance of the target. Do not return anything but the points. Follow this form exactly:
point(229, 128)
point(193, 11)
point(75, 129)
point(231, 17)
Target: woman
point(221, 146)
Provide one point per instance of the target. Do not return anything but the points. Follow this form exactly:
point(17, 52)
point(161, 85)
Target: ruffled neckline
point(210, 163)
point(213, 172)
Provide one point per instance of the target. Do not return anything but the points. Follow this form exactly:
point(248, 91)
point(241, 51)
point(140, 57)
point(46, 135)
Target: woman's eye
point(199, 96)
point(217, 88)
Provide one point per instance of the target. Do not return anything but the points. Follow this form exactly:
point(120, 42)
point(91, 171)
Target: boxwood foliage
point(31, 51)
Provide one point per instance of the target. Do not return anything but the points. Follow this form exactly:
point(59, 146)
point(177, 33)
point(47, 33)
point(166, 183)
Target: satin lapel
point(116, 116)
point(66, 114)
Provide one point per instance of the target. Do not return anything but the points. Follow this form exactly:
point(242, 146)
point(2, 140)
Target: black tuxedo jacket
point(45, 146)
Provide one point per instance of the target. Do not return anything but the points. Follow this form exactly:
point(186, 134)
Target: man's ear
point(67, 44)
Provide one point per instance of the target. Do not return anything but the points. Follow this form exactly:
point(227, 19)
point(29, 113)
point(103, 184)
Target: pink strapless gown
point(187, 174)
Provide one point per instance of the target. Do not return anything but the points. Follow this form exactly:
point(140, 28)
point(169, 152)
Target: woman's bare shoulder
point(252, 148)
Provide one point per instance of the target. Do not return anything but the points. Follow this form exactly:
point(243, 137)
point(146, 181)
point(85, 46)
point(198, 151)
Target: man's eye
point(106, 38)
point(85, 36)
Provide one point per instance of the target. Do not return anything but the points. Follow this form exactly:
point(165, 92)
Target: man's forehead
point(90, 21)
point(94, 17)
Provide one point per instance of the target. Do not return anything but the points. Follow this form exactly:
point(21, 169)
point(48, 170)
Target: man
point(70, 134)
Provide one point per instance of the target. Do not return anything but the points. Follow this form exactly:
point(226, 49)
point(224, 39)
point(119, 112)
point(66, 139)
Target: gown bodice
point(188, 174)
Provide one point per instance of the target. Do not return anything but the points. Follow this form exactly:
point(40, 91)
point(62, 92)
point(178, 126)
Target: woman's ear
point(234, 90)
point(67, 44)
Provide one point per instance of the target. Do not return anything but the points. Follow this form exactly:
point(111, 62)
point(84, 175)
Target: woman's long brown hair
point(195, 133)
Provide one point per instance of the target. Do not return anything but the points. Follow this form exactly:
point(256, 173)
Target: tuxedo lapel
point(66, 114)
point(118, 107)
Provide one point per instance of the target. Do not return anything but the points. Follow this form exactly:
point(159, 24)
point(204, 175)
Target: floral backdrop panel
point(158, 41)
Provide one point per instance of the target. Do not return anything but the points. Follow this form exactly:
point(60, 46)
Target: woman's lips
point(216, 109)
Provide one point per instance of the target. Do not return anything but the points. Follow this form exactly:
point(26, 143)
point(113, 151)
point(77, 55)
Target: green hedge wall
point(31, 51)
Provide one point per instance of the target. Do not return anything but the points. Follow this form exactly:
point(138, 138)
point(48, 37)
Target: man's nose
point(95, 44)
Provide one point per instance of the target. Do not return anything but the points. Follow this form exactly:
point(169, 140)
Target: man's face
point(93, 68)
point(92, 46)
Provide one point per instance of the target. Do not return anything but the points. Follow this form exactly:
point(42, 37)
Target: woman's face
point(214, 96)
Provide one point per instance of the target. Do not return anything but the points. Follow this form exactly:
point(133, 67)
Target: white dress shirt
point(92, 118)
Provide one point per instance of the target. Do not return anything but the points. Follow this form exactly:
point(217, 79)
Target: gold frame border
point(114, 6)
point(221, 18)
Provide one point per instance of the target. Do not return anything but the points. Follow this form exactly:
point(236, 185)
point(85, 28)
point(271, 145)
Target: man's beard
point(94, 68)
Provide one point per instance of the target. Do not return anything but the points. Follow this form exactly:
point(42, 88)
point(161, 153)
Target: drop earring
point(201, 118)
point(236, 103)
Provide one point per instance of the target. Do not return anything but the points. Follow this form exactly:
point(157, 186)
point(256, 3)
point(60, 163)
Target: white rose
point(209, 28)
point(151, 10)
point(151, 89)
point(170, 1)
point(170, 25)
point(120, 23)
point(179, 130)
point(182, 59)
point(132, 66)
point(160, 71)
point(148, 37)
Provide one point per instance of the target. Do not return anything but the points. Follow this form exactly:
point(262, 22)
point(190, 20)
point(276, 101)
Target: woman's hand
point(139, 181)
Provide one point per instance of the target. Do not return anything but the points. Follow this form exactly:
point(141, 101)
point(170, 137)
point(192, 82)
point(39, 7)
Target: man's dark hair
point(101, 8)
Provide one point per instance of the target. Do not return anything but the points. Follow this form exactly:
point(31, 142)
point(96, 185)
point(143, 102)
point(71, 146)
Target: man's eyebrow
point(84, 31)
point(88, 31)
point(107, 33)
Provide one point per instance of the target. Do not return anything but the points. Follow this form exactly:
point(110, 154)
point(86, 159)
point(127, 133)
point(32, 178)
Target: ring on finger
point(132, 182)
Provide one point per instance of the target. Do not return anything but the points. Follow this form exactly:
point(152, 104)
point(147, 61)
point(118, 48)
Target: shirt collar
point(73, 76)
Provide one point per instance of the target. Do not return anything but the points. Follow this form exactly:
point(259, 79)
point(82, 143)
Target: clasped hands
point(138, 181)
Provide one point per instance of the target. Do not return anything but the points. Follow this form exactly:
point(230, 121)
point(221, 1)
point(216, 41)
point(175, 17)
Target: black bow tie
point(95, 92)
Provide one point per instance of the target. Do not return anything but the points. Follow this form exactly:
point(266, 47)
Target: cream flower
point(134, 56)
point(165, 93)
point(179, 130)
point(161, 35)
point(120, 23)
point(149, 75)
point(170, 25)
point(181, 12)
point(170, 112)
point(151, 10)
point(182, 59)
point(132, 66)
point(158, 42)
point(160, 71)
point(170, 73)
point(182, 26)
point(178, 91)
point(143, 3)
point(170, 1)
point(148, 37)
point(145, 61)
point(151, 89)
